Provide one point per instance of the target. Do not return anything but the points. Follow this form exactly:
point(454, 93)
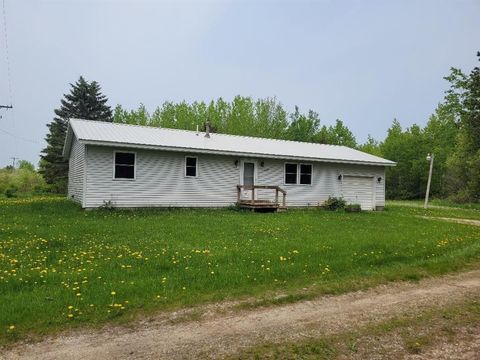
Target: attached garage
point(359, 190)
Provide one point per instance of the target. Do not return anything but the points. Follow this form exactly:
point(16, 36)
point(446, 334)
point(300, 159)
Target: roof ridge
point(223, 134)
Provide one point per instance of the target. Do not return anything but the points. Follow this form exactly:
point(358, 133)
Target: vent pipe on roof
point(207, 129)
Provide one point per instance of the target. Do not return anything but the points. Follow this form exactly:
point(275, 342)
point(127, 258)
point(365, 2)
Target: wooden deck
point(261, 205)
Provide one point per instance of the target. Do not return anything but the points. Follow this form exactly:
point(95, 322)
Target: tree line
point(242, 116)
point(452, 134)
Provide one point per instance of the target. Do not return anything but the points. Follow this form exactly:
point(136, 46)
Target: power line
point(19, 137)
point(7, 55)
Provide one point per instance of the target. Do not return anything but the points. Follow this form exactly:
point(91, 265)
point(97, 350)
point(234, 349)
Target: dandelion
point(113, 293)
point(70, 307)
point(11, 327)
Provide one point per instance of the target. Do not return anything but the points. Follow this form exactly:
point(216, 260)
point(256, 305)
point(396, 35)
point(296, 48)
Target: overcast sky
point(365, 62)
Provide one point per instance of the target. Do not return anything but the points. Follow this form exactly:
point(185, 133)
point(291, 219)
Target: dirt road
point(220, 330)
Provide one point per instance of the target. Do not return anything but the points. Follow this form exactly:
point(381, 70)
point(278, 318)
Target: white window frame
point(185, 167)
point(285, 173)
point(297, 183)
point(299, 174)
point(134, 165)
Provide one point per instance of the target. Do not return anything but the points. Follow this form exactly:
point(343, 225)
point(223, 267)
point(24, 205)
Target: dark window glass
point(124, 172)
point(191, 166)
point(291, 168)
point(290, 173)
point(124, 158)
point(290, 178)
point(305, 179)
point(191, 171)
point(305, 174)
point(124, 165)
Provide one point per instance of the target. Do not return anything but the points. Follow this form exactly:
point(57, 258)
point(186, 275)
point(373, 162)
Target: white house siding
point(76, 171)
point(325, 181)
point(160, 180)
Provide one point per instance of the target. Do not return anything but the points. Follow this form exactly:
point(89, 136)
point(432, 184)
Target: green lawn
point(61, 267)
point(436, 203)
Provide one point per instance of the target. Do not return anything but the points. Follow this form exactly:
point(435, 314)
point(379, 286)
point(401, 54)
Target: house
point(141, 166)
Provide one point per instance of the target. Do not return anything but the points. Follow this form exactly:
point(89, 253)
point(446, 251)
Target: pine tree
point(85, 101)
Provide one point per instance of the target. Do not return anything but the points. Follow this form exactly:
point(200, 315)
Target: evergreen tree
point(85, 101)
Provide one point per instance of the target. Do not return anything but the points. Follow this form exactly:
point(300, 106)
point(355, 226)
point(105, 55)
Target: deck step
point(261, 205)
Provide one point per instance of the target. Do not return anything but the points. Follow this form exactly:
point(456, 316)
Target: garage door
point(358, 190)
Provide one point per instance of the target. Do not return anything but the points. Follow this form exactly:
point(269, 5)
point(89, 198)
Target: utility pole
point(5, 107)
point(429, 157)
point(14, 158)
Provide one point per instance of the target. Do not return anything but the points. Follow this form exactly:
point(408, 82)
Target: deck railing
point(253, 200)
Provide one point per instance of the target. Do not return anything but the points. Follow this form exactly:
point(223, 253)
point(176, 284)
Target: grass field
point(61, 267)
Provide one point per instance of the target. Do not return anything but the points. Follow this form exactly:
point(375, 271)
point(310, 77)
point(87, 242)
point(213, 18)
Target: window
point(290, 173)
point(191, 166)
point(298, 174)
point(305, 174)
point(124, 165)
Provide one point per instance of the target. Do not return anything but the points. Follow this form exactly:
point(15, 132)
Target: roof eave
point(232, 153)
point(68, 142)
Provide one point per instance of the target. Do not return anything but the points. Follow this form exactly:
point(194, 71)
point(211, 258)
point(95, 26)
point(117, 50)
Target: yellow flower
point(70, 315)
point(113, 293)
point(11, 327)
point(70, 307)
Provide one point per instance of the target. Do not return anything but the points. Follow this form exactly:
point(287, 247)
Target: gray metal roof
point(135, 136)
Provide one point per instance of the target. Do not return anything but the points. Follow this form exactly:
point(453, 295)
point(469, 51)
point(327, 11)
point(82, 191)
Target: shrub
point(108, 205)
point(334, 203)
point(10, 192)
point(22, 180)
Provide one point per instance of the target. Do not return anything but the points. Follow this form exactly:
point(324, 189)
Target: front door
point(248, 178)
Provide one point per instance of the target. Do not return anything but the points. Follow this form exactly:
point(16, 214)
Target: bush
point(334, 203)
point(22, 180)
point(10, 192)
